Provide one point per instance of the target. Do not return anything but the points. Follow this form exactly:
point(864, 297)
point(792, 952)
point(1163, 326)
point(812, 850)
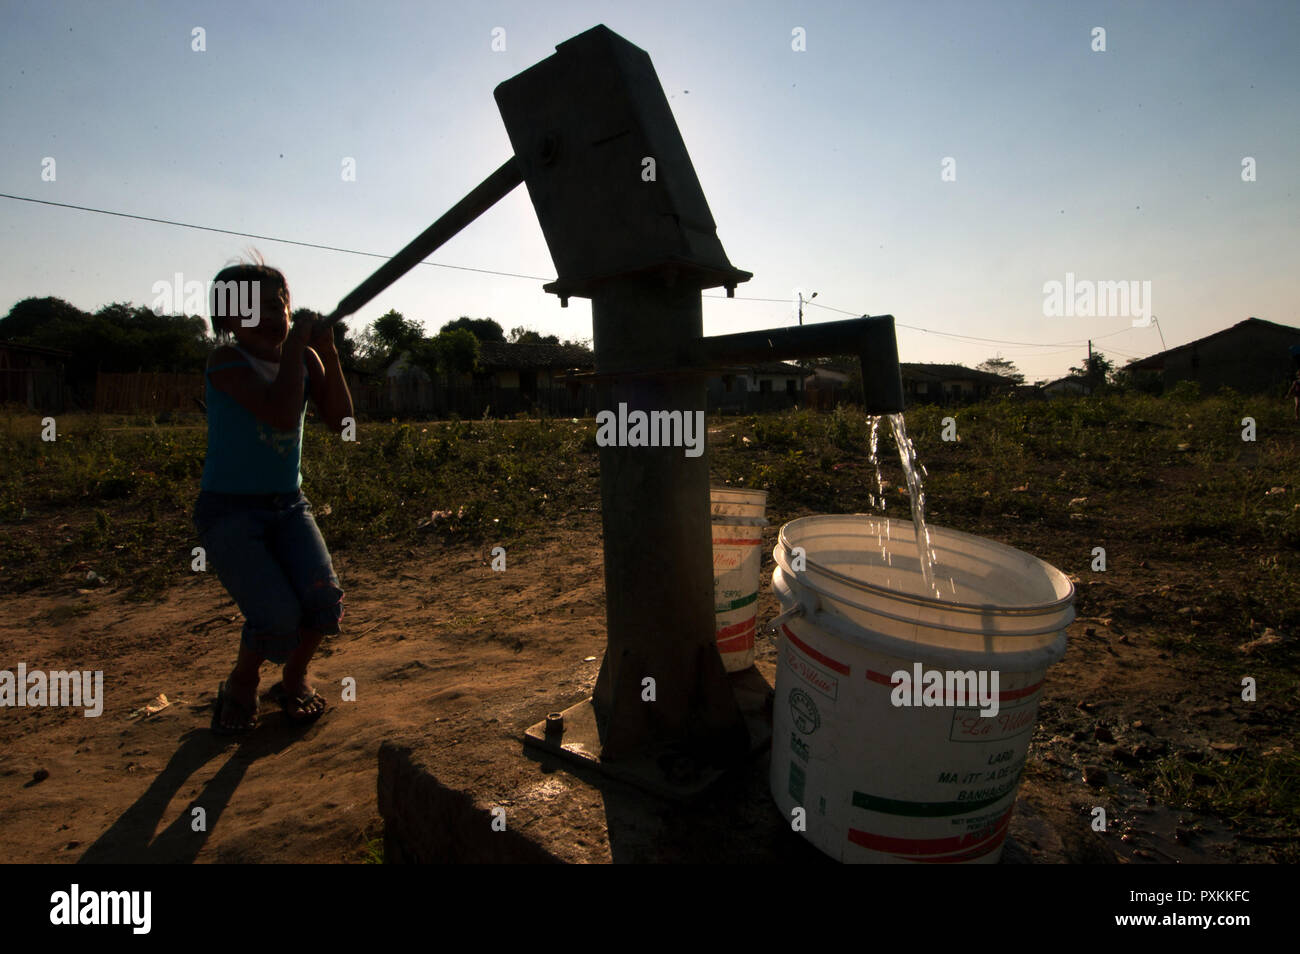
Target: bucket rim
point(1024, 609)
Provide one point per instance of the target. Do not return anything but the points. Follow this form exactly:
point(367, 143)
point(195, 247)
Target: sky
point(940, 162)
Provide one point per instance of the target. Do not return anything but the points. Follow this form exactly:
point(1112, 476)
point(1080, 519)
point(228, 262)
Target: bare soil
point(440, 645)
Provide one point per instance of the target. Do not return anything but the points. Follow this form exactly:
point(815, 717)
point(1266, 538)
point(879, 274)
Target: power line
point(951, 334)
point(930, 331)
point(263, 238)
point(538, 278)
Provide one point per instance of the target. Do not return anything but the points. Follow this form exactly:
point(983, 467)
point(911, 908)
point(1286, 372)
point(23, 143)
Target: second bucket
point(738, 522)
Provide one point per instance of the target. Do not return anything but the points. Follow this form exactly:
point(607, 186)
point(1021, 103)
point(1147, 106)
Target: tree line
point(124, 337)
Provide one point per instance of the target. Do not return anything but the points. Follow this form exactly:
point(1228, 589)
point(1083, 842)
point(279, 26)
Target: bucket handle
point(773, 625)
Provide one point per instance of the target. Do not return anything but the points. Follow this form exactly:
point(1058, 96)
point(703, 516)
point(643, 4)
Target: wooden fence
point(40, 389)
point(147, 391)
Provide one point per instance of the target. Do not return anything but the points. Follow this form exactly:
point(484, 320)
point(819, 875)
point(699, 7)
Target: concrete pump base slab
point(525, 805)
point(667, 775)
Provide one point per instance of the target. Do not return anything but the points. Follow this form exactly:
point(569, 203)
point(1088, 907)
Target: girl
point(254, 523)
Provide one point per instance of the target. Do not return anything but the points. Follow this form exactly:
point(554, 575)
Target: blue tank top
point(245, 455)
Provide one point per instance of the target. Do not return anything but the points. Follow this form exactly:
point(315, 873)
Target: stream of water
point(913, 472)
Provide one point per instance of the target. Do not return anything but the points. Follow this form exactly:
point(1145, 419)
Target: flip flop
point(247, 715)
point(293, 706)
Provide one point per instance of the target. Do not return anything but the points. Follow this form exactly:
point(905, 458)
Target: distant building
point(410, 389)
point(1252, 356)
point(1070, 384)
point(528, 368)
point(949, 383)
point(765, 386)
point(509, 379)
point(33, 376)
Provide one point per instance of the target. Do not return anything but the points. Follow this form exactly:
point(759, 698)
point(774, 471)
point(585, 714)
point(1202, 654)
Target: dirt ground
point(434, 638)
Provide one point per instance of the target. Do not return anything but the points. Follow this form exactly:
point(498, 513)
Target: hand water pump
point(628, 227)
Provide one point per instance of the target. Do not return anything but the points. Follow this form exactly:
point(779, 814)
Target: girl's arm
point(329, 388)
point(278, 403)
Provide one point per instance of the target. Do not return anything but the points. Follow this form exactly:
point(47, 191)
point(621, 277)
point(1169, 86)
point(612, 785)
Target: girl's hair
point(227, 290)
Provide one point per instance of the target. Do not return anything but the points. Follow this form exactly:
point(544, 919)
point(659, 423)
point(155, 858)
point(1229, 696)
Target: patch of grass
point(374, 851)
point(1246, 789)
point(115, 494)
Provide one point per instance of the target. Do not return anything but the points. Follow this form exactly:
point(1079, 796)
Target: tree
point(118, 337)
point(1097, 370)
point(484, 329)
point(456, 350)
point(31, 317)
point(522, 335)
point(1002, 366)
point(395, 333)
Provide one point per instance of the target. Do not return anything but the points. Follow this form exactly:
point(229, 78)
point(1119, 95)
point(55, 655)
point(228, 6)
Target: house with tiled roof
point(948, 383)
point(1251, 356)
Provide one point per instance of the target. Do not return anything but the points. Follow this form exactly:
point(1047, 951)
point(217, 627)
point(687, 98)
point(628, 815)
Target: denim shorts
point(269, 554)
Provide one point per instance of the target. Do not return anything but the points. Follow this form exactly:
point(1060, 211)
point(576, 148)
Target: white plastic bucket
point(738, 523)
point(885, 782)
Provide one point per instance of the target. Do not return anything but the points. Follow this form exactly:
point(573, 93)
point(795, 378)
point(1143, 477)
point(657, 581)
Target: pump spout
point(882, 381)
point(871, 339)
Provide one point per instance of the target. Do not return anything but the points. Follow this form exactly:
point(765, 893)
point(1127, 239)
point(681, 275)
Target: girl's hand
point(302, 332)
point(322, 338)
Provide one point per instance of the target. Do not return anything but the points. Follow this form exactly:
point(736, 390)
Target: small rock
point(40, 775)
point(1142, 752)
point(1103, 734)
point(1226, 747)
point(1123, 756)
point(1123, 640)
point(1086, 706)
point(1185, 611)
point(1275, 490)
point(1094, 776)
point(1078, 501)
point(1183, 448)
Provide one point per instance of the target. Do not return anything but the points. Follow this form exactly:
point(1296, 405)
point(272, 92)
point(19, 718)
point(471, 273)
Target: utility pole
point(801, 300)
